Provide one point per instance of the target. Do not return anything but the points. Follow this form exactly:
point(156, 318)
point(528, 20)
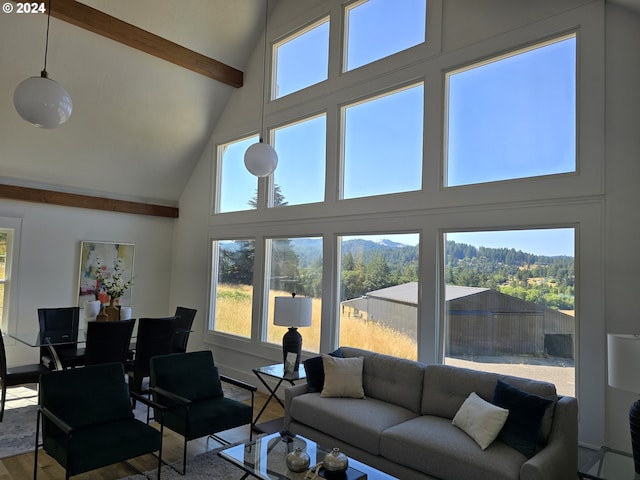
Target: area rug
point(18, 431)
point(208, 465)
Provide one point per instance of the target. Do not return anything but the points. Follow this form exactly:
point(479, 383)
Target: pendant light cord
point(264, 69)
point(46, 45)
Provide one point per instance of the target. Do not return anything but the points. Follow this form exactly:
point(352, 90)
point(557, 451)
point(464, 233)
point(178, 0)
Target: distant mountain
point(309, 250)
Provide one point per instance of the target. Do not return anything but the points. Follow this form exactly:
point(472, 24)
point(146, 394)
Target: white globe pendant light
point(41, 101)
point(261, 158)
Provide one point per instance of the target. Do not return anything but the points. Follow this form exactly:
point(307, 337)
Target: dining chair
point(154, 337)
point(184, 320)
point(188, 386)
point(108, 341)
point(61, 321)
point(14, 376)
point(87, 422)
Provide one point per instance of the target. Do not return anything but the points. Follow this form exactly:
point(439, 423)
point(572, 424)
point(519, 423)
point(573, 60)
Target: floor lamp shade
point(623, 360)
point(292, 312)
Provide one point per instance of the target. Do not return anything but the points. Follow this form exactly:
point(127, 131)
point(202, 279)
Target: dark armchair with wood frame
point(87, 421)
point(188, 385)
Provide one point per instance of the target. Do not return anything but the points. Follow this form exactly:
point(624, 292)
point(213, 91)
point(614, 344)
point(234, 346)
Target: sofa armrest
point(289, 394)
point(558, 460)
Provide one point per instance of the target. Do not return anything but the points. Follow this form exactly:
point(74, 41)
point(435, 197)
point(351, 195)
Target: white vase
point(91, 309)
point(125, 313)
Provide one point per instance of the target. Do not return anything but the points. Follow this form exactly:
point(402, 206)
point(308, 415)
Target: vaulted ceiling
point(139, 122)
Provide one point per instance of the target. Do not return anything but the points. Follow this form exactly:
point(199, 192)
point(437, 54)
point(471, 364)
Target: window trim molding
point(15, 225)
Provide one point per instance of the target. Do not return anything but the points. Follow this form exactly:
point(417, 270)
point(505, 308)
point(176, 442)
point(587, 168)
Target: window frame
point(445, 322)
point(339, 239)
point(563, 199)
point(266, 319)
point(386, 93)
point(352, 5)
point(291, 36)
point(214, 262)
point(532, 46)
point(13, 227)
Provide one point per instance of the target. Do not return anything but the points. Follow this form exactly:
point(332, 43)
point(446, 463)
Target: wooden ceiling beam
point(51, 197)
point(95, 21)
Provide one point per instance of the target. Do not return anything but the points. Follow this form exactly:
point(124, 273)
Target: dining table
point(50, 340)
point(63, 337)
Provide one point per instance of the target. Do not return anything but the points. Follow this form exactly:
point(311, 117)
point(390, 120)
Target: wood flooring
point(20, 467)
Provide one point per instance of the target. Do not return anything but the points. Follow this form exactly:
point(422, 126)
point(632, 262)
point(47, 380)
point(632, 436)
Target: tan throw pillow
point(342, 377)
point(480, 419)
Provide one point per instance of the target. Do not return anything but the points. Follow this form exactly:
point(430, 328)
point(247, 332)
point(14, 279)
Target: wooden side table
point(274, 371)
point(610, 465)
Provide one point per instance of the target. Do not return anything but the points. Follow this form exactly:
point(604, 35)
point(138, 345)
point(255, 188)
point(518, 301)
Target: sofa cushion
point(315, 374)
point(447, 387)
point(434, 446)
point(342, 377)
point(395, 380)
point(526, 410)
point(315, 371)
point(358, 422)
point(480, 419)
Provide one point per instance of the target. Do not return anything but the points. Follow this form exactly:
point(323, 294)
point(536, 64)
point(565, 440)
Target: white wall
point(606, 213)
point(191, 264)
point(622, 201)
point(48, 266)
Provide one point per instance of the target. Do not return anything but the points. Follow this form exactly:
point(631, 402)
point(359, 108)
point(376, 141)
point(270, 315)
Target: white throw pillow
point(342, 377)
point(480, 419)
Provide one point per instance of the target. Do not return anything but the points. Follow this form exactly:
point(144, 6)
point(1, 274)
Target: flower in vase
point(113, 283)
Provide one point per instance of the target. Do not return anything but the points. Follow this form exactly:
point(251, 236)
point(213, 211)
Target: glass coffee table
point(265, 458)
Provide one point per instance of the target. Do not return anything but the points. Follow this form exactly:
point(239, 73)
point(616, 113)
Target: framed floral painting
point(105, 268)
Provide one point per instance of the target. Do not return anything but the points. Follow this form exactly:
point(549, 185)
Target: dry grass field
point(233, 316)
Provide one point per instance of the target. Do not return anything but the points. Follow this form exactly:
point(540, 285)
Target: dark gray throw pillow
point(314, 370)
point(526, 410)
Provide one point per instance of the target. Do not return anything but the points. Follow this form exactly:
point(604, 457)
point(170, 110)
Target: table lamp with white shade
point(624, 357)
point(292, 312)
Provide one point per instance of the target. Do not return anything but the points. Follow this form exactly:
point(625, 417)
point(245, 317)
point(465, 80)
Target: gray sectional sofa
point(403, 425)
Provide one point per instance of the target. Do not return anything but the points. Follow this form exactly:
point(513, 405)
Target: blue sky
point(513, 118)
point(550, 241)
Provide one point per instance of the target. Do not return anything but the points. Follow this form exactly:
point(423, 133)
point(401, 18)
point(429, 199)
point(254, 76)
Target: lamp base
point(634, 426)
point(292, 343)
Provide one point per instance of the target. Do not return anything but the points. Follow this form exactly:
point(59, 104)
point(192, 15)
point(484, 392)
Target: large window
point(510, 303)
point(382, 144)
point(379, 293)
point(443, 167)
point(294, 266)
point(302, 60)
point(232, 286)
point(513, 116)
point(378, 28)
point(236, 186)
point(301, 149)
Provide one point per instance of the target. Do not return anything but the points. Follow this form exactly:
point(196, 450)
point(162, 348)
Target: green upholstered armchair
point(188, 385)
point(87, 419)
